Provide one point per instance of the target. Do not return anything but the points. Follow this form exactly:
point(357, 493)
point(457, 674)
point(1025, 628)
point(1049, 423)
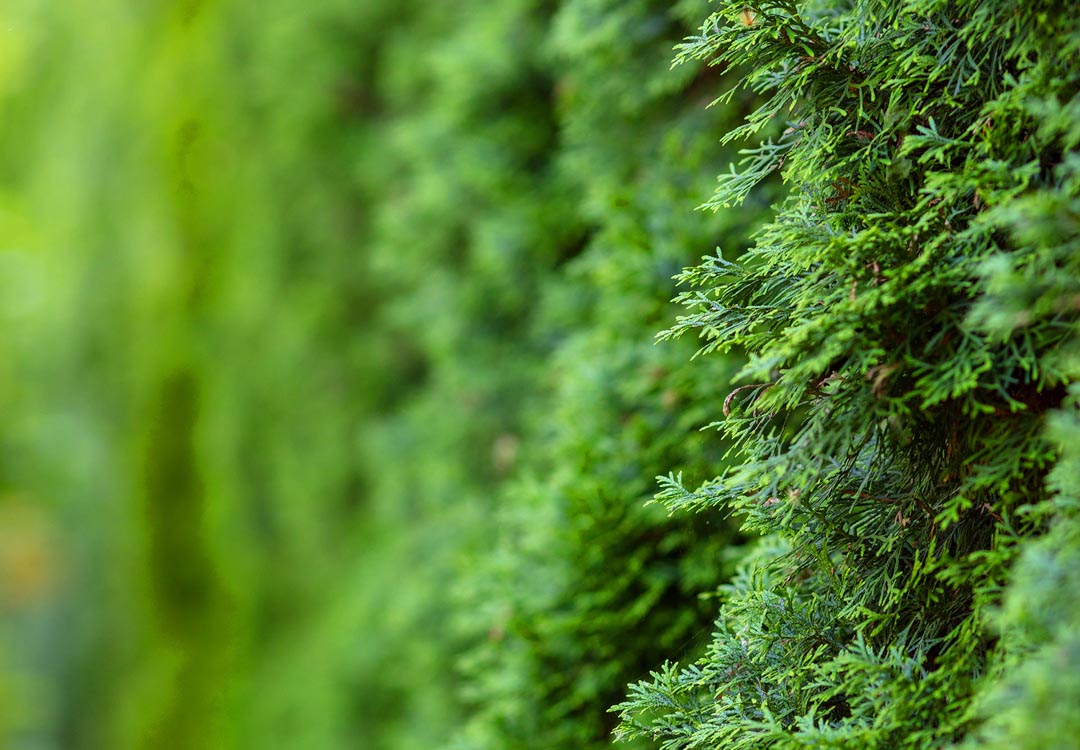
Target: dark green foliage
point(545, 234)
point(911, 321)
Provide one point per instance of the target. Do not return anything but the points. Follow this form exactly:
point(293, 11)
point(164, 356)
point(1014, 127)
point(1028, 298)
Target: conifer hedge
point(333, 405)
point(543, 235)
point(910, 319)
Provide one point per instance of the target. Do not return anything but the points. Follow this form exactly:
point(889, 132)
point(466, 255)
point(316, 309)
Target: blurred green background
point(330, 398)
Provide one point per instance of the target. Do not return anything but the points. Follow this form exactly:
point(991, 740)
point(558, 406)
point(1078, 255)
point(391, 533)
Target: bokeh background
point(331, 404)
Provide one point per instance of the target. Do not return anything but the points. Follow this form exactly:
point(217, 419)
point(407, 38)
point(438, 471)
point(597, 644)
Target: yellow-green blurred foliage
point(183, 372)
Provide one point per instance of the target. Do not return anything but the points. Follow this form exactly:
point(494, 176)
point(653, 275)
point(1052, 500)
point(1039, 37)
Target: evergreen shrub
point(902, 428)
point(531, 233)
point(332, 404)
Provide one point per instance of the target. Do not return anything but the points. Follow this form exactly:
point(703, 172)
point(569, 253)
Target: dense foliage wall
point(911, 322)
point(541, 235)
point(350, 370)
point(333, 406)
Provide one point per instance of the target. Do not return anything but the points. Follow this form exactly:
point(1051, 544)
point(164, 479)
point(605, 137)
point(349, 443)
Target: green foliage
point(187, 341)
point(911, 325)
point(332, 402)
point(541, 234)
